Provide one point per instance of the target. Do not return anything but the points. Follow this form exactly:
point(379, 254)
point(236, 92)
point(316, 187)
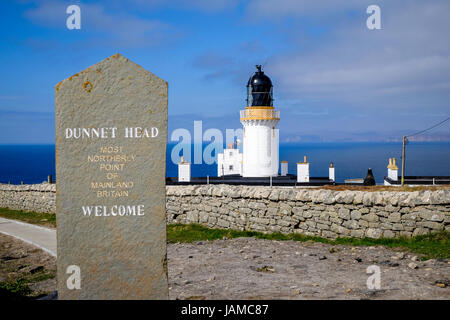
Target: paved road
point(43, 238)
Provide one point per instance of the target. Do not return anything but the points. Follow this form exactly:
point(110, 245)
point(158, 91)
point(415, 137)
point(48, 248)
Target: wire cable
point(432, 127)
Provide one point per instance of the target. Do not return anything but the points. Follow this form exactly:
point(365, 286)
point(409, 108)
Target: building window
point(231, 168)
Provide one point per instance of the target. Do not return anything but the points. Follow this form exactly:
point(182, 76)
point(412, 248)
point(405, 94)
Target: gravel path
point(248, 268)
point(21, 260)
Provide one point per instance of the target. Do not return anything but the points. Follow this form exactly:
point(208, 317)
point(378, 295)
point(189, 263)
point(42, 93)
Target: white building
point(229, 162)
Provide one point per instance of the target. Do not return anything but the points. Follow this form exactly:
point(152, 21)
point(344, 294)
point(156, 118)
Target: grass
point(436, 245)
point(19, 289)
point(432, 246)
point(45, 219)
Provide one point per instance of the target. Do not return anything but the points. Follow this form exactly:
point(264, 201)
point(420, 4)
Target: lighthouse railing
point(256, 113)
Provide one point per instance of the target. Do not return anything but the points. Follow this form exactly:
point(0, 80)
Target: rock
point(373, 233)
point(401, 255)
point(431, 215)
point(192, 216)
point(351, 224)
point(339, 229)
point(344, 214)
point(442, 283)
point(367, 199)
point(357, 233)
point(329, 234)
point(322, 258)
point(355, 215)
point(274, 195)
point(388, 234)
point(371, 217)
point(224, 224)
point(116, 104)
point(394, 217)
point(431, 225)
point(413, 265)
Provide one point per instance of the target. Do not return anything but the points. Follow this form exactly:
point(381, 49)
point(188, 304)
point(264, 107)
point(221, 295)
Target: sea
point(33, 163)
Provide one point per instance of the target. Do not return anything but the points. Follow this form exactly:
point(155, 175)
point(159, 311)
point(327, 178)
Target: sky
point(334, 79)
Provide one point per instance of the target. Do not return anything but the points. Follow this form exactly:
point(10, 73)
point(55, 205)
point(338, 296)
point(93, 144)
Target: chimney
point(331, 172)
point(284, 168)
point(184, 171)
point(303, 171)
point(392, 169)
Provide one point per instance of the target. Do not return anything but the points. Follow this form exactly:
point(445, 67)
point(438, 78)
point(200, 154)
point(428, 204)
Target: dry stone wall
point(307, 211)
point(316, 212)
point(29, 197)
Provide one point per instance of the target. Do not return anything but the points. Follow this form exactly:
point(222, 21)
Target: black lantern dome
point(259, 90)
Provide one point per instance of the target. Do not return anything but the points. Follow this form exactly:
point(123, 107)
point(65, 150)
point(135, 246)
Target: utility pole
point(403, 160)
point(405, 141)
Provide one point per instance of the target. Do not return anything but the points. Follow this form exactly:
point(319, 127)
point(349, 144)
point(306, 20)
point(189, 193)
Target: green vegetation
point(436, 245)
point(266, 269)
point(432, 246)
point(19, 289)
point(45, 219)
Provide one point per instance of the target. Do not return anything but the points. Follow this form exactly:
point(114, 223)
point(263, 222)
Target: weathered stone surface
point(120, 246)
point(306, 211)
point(344, 213)
point(388, 234)
point(370, 217)
point(394, 217)
point(373, 233)
point(355, 214)
point(431, 215)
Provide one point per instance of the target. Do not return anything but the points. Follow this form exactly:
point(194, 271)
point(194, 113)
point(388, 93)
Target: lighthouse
point(260, 136)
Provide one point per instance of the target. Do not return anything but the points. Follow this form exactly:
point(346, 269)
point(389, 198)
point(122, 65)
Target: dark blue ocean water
point(32, 163)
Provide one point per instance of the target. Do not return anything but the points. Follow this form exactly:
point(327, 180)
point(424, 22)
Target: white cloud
point(115, 27)
point(275, 9)
point(403, 65)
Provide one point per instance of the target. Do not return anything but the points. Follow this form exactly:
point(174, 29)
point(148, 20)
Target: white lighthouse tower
point(260, 145)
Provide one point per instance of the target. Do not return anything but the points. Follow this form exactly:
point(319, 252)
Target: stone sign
point(111, 135)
